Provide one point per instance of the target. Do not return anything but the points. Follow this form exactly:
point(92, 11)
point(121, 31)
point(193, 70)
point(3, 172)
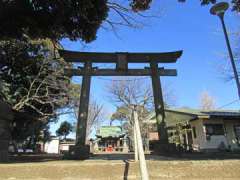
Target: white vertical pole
point(143, 165)
point(186, 136)
point(135, 143)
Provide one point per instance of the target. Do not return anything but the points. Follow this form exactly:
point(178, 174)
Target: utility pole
point(219, 9)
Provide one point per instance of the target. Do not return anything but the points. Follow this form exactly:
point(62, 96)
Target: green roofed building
point(110, 139)
point(110, 131)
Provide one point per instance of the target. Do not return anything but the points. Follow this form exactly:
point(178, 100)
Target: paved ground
point(116, 167)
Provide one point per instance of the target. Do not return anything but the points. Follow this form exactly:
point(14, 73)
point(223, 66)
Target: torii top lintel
point(102, 57)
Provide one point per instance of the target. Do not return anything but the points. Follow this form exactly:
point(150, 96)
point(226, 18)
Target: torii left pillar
point(81, 149)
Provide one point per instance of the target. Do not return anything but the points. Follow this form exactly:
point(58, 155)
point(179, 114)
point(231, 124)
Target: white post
point(135, 143)
point(143, 165)
point(186, 136)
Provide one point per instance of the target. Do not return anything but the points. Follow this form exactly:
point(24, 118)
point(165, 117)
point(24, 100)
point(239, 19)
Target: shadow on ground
point(31, 158)
point(123, 167)
point(173, 157)
point(26, 158)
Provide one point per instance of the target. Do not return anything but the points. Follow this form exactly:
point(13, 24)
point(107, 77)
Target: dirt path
point(101, 169)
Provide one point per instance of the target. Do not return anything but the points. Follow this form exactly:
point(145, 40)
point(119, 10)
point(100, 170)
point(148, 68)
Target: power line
point(119, 80)
point(230, 103)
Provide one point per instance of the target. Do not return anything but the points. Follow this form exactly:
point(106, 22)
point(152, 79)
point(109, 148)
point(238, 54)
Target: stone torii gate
point(121, 60)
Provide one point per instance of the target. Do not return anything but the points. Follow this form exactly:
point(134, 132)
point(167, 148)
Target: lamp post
point(219, 9)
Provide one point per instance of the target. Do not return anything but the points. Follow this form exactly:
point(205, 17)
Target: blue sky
point(180, 26)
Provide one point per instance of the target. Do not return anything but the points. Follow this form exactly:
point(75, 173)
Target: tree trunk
point(6, 116)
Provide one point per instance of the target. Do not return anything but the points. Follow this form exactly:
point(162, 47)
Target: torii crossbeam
point(121, 60)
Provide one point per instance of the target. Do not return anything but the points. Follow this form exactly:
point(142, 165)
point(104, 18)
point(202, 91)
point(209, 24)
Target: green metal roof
point(199, 112)
point(110, 131)
point(184, 115)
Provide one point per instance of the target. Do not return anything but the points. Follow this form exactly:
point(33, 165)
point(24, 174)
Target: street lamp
point(219, 9)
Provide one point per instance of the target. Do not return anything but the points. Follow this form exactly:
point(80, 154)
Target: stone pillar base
point(164, 148)
point(78, 152)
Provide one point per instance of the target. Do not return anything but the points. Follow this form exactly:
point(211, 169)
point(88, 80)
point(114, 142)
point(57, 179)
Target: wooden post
point(186, 136)
point(159, 104)
point(83, 107)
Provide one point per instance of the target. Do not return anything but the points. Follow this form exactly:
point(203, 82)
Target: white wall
point(65, 146)
point(201, 142)
point(215, 140)
point(198, 141)
point(52, 147)
point(229, 125)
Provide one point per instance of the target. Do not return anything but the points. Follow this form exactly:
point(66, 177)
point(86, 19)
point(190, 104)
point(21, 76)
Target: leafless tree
point(40, 92)
point(137, 91)
point(126, 92)
point(131, 14)
point(95, 111)
point(95, 117)
point(132, 91)
point(45, 89)
point(207, 102)
point(225, 67)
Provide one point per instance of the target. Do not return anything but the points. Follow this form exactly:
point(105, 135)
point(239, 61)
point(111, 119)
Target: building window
point(214, 129)
point(194, 132)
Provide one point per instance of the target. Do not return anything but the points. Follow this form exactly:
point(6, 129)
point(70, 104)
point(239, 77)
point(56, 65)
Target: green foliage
point(28, 131)
point(34, 84)
point(64, 129)
point(74, 96)
point(204, 2)
point(73, 19)
point(33, 81)
point(140, 5)
point(46, 135)
point(177, 133)
point(122, 114)
point(54, 19)
point(235, 3)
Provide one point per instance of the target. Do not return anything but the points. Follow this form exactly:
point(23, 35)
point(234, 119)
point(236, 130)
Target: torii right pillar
point(159, 107)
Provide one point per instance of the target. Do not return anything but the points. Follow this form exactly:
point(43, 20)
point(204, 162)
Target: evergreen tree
point(64, 129)
point(34, 85)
